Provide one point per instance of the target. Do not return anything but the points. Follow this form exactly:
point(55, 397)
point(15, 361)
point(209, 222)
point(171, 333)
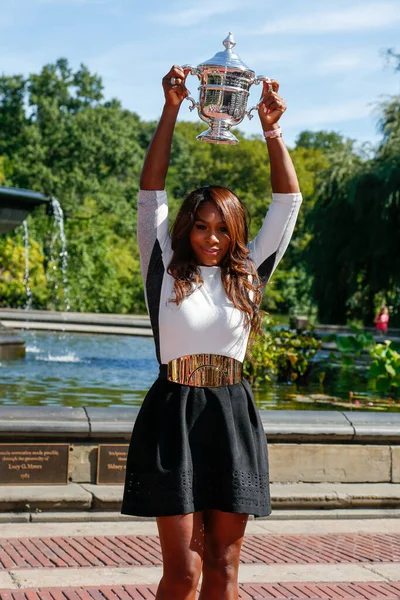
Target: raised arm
point(271, 242)
point(152, 217)
point(157, 158)
point(283, 174)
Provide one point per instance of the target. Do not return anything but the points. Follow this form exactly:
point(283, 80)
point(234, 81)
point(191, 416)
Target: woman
point(382, 320)
point(198, 455)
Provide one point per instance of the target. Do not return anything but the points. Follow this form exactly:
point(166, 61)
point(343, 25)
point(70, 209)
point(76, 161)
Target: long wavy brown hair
point(238, 273)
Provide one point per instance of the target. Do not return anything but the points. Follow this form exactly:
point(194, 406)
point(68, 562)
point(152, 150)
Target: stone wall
point(304, 446)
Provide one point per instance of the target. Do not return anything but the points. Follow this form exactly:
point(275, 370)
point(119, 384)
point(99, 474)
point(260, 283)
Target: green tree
point(320, 140)
point(353, 254)
point(12, 273)
point(73, 145)
point(59, 135)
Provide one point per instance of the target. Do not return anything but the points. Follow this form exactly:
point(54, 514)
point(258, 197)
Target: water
point(79, 370)
point(110, 370)
point(28, 303)
point(58, 246)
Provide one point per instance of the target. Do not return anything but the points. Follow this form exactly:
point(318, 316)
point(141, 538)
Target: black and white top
point(206, 321)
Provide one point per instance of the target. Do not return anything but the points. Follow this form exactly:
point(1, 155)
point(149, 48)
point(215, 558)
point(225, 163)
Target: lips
point(211, 251)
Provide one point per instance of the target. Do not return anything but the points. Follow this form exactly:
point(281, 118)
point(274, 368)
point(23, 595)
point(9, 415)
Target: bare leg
point(182, 544)
point(223, 537)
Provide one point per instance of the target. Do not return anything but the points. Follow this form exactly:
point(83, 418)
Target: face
point(209, 236)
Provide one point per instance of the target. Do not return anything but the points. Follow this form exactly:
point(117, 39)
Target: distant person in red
point(381, 320)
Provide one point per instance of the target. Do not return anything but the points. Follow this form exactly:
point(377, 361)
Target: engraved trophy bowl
point(225, 82)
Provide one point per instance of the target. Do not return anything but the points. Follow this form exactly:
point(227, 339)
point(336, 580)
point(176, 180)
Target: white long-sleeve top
point(206, 321)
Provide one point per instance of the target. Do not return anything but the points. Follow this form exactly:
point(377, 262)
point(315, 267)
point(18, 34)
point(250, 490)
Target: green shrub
point(384, 369)
point(280, 354)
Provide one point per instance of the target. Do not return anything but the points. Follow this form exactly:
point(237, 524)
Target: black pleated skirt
point(195, 448)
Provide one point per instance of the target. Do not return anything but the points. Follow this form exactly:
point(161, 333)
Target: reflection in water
point(110, 370)
point(79, 370)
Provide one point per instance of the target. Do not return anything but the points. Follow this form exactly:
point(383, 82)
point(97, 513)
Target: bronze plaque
point(34, 464)
point(111, 463)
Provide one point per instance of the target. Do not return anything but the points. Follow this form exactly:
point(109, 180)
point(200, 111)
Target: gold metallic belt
point(205, 370)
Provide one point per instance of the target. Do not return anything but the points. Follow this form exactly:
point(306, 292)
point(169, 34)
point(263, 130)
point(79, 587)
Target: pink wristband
point(273, 133)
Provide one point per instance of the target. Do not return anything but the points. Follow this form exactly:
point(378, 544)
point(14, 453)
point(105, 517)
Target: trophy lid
point(227, 58)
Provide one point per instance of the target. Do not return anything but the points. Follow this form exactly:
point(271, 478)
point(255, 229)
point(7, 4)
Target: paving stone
point(319, 591)
point(247, 591)
point(390, 572)
point(113, 550)
point(7, 582)
point(34, 578)
point(378, 525)
point(89, 528)
point(319, 573)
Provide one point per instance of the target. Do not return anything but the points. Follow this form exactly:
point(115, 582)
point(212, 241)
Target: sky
point(328, 55)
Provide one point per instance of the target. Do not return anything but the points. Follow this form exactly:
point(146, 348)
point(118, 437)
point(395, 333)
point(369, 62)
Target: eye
point(200, 226)
point(224, 229)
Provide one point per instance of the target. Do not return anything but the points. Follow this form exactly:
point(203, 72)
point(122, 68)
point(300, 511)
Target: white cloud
point(195, 15)
point(363, 17)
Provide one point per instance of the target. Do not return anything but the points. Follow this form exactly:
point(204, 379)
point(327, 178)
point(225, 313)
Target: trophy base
point(218, 133)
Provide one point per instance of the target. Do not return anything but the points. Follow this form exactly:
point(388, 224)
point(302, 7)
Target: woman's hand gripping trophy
point(173, 83)
point(271, 106)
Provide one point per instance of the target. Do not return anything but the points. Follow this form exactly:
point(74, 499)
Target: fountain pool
point(79, 370)
point(71, 369)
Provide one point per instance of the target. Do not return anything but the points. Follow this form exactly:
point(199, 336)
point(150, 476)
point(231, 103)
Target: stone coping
point(52, 316)
point(115, 423)
point(132, 320)
point(285, 496)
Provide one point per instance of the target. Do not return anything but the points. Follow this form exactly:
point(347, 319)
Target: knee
point(179, 579)
point(221, 564)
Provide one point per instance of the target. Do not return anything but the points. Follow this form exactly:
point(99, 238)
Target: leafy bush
point(384, 369)
point(352, 347)
point(281, 354)
point(12, 271)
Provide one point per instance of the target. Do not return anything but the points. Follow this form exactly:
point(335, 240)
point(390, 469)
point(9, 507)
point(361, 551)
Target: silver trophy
point(224, 88)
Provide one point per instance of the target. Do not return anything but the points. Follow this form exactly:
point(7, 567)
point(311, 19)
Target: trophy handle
point(257, 80)
point(192, 71)
point(194, 103)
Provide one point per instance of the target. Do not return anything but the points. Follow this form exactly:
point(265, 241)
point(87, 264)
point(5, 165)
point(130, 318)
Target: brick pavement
point(86, 554)
point(129, 550)
point(247, 591)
